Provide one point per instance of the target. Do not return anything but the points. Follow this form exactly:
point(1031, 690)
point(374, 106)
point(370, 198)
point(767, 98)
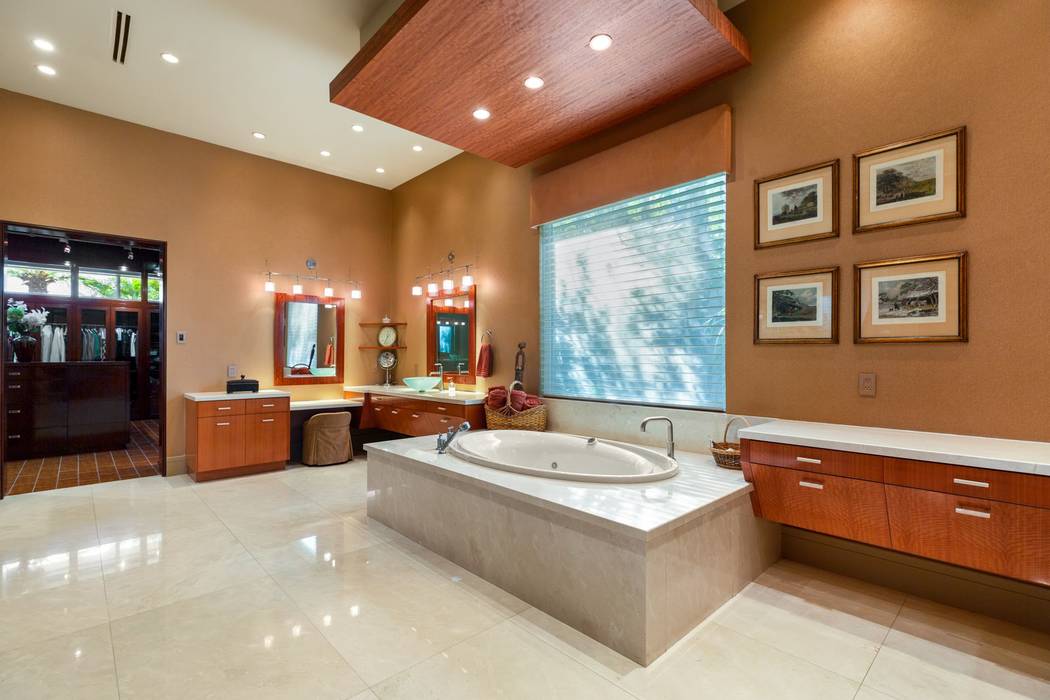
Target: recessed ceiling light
point(259, 135)
point(358, 128)
point(380, 170)
point(481, 114)
point(600, 42)
point(534, 82)
point(325, 154)
point(43, 44)
point(169, 57)
point(417, 149)
point(46, 70)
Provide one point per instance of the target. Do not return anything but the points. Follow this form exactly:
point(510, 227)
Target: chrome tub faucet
point(670, 432)
point(445, 439)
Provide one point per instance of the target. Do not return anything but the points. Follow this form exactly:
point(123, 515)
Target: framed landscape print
point(796, 206)
point(797, 307)
point(910, 300)
point(910, 182)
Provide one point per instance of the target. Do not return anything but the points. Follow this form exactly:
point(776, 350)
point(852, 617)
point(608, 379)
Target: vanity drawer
point(210, 409)
point(439, 423)
point(272, 405)
point(849, 508)
point(447, 409)
point(1001, 538)
point(1010, 487)
point(850, 464)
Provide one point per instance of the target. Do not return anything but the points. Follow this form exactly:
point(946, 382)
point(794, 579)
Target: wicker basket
point(507, 418)
point(727, 454)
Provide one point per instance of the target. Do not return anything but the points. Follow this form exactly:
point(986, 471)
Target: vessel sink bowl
point(422, 384)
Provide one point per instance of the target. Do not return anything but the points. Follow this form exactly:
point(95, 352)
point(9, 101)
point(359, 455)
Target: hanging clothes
point(46, 336)
point(57, 351)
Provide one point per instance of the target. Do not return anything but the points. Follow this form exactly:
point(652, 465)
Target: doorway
point(83, 363)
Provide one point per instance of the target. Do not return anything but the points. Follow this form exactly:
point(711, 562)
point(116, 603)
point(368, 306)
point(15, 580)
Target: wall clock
point(387, 336)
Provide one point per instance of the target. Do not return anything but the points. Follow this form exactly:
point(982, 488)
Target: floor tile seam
point(105, 595)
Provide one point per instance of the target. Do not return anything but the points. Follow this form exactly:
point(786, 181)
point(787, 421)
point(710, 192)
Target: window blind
point(632, 300)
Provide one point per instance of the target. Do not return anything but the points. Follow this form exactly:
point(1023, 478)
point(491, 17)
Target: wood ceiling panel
point(435, 61)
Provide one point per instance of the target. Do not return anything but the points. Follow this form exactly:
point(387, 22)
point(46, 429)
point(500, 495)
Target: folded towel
point(532, 401)
point(497, 397)
point(484, 368)
point(517, 400)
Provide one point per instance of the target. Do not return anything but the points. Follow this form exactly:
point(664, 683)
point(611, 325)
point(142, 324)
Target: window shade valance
point(687, 150)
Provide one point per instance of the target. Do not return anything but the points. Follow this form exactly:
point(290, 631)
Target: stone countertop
point(466, 398)
point(965, 450)
point(642, 510)
point(237, 395)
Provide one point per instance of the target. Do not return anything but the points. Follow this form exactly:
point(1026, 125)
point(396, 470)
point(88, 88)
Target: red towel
point(532, 401)
point(485, 360)
point(329, 356)
point(517, 400)
point(497, 397)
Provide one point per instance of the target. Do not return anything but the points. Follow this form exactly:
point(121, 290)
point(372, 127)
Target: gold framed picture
point(910, 300)
point(910, 182)
point(797, 307)
point(797, 206)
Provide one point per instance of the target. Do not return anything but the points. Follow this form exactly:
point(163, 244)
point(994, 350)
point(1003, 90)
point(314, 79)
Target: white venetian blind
point(632, 300)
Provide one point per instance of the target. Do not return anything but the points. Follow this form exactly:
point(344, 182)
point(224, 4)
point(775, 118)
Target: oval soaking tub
point(562, 456)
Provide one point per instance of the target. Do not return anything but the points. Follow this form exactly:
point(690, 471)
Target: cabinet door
point(266, 438)
point(220, 442)
point(849, 508)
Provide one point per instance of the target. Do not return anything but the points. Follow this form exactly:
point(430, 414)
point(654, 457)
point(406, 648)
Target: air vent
point(121, 35)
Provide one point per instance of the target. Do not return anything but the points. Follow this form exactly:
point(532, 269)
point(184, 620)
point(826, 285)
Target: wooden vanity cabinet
point(983, 519)
point(236, 437)
point(416, 417)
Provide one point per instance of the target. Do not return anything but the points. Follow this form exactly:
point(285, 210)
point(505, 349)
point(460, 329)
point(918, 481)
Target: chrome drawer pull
point(13, 437)
point(968, 482)
point(807, 460)
point(973, 513)
point(224, 408)
point(811, 485)
point(14, 386)
point(221, 424)
point(444, 420)
point(269, 405)
point(377, 409)
point(415, 415)
point(394, 411)
point(442, 408)
point(268, 420)
point(14, 410)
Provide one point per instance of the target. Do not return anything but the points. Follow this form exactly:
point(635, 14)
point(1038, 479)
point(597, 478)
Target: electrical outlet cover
point(231, 371)
point(180, 337)
point(866, 384)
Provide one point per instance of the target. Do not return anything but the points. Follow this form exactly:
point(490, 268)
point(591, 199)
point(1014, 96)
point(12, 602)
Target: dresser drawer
point(210, 409)
point(812, 459)
point(273, 405)
point(982, 534)
point(992, 484)
point(849, 508)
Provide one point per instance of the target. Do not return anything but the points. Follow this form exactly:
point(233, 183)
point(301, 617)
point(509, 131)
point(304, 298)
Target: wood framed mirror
point(452, 334)
point(308, 336)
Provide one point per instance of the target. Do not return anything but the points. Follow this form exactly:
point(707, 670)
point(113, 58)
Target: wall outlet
point(231, 371)
point(866, 384)
point(180, 337)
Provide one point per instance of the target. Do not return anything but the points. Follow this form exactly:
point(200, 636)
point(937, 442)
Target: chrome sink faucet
point(440, 373)
point(670, 432)
point(445, 439)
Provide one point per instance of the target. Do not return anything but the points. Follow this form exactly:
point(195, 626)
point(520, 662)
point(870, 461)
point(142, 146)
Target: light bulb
point(355, 293)
point(329, 292)
point(450, 302)
point(600, 42)
point(297, 288)
point(417, 291)
point(467, 282)
point(448, 285)
point(269, 286)
point(432, 288)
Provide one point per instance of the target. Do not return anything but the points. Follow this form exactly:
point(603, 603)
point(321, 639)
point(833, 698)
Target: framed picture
point(910, 300)
point(797, 307)
point(910, 182)
point(797, 206)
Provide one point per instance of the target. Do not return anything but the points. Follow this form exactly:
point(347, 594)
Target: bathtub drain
point(554, 465)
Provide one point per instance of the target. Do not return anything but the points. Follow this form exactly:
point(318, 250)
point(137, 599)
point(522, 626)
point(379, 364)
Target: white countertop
point(315, 404)
point(965, 450)
point(466, 398)
point(223, 396)
point(638, 510)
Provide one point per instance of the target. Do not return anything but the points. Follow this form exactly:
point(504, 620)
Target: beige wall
point(479, 209)
point(222, 212)
point(832, 77)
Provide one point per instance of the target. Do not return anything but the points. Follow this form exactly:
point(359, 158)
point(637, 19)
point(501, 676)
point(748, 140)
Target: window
point(632, 300)
point(155, 289)
point(36, 279)
point(94, 284)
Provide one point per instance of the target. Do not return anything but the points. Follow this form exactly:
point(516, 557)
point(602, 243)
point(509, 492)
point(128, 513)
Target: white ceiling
point(244, 65)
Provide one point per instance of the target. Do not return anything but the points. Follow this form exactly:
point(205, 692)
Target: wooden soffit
point(435, 61)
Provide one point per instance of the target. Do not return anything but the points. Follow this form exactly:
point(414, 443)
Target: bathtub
point(562, 456)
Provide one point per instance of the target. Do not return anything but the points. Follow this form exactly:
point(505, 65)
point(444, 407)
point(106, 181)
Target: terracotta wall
point(222, 212)
point(832, 77)
point(479, 209)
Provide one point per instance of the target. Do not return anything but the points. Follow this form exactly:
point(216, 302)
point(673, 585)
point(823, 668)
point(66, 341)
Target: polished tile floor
point(141, 458)
point(279, 586)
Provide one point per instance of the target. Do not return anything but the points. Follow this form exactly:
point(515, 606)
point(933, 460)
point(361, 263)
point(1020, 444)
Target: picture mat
point(809, 228)
point(947, 203)
point(794, 332)
point(818, 321)
point(941, 316)
point(948, 327)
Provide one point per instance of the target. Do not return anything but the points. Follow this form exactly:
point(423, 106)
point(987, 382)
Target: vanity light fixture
point(466, 304)
point(467, 281)
point(481, 114)
point(47, 70)
point(169, 57)
point(328, 292)
point(355, 293)
point(259, 135)
point(43, 44)
point(358, 128)
point(600, 42)
point(447, 284)
point(269, 285)
point(450, 302)
point(297, 288)
point(534, 82)
point(417, 291)
point(432, 288)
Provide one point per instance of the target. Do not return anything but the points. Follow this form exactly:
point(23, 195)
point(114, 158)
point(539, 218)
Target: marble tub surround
point(634, 566)
point(1022, 456)
point(233, 396)
point(465, 398)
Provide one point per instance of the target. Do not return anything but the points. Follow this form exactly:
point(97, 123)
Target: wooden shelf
point(380, 323)
point(380, 347)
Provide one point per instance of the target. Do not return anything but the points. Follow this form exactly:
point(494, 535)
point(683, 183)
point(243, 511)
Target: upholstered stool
point(326, 439)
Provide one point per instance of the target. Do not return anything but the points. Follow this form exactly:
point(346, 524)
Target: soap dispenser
point(451, 387)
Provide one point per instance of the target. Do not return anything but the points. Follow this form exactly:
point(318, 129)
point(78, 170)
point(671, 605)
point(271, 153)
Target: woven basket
point(727, 454)
point(507, 418)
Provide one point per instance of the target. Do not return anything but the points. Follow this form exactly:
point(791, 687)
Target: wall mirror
point(307, 340)
point(451, 334)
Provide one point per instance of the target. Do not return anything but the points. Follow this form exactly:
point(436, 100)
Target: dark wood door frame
point(93, 236)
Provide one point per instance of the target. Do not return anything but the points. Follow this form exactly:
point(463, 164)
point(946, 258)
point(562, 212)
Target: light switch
point(180, 337)
point(866, 384)
point(231, 371)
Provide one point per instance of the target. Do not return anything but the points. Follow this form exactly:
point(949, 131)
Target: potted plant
point(21, 324)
